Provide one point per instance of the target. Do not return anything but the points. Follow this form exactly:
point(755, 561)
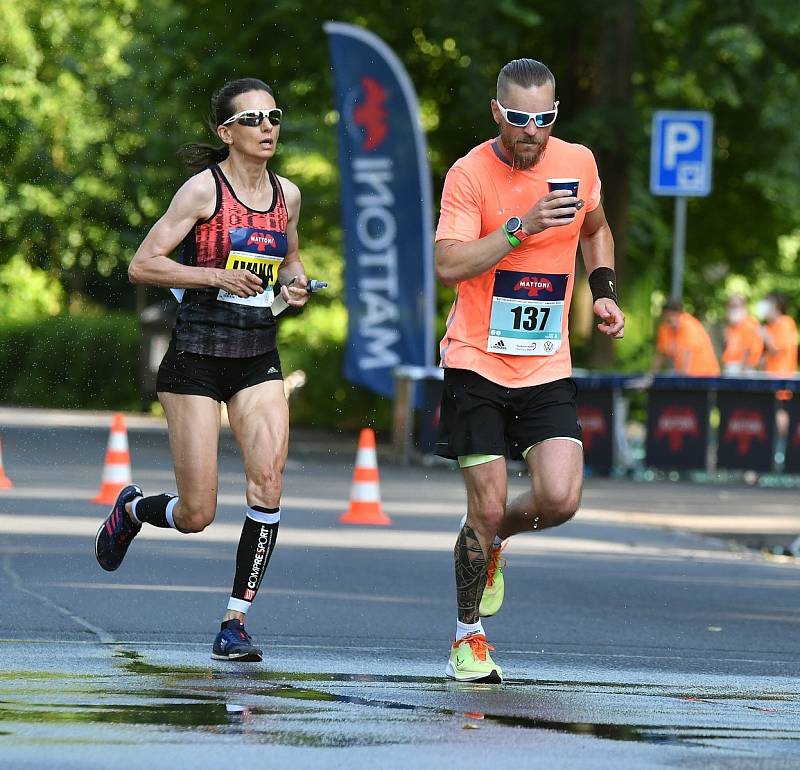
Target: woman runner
point(235, 225)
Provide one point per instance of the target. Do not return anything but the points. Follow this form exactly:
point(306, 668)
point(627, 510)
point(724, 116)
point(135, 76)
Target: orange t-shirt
point(689, 338)
point(783, 335)
point(743, 344)
point(509, 324)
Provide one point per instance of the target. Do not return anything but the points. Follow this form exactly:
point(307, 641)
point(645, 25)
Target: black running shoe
point(117, 531)
point(234, 643)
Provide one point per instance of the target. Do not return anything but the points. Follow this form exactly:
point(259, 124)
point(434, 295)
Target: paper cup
point(564, 184)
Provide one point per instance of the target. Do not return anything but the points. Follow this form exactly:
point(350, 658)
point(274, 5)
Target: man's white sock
point(463, 629)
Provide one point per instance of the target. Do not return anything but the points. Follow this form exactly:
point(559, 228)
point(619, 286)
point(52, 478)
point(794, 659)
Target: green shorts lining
point(467, 461)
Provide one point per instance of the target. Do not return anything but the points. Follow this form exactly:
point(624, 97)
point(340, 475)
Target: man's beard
point(524, 154)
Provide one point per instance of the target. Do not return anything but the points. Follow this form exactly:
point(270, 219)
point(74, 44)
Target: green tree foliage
point(63, 151)
point(28, 293)
point(96, 96)
point(740, 61)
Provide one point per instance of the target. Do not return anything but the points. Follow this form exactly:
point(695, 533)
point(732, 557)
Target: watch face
point(513, 224)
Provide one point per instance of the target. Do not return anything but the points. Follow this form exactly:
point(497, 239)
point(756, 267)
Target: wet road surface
point(624, 645)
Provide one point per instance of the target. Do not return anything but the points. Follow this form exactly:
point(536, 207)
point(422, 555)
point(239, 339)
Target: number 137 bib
point(527, 313)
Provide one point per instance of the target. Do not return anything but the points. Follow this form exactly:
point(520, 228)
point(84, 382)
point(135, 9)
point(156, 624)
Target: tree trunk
point(612, 94)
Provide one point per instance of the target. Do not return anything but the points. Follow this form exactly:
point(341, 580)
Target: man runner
point(509, 247)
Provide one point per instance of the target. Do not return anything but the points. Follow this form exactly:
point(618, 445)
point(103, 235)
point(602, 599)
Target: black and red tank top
point(211, 321)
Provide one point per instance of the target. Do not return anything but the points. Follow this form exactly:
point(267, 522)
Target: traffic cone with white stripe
point(365, 496)
point(5, 482)
point(117, 466)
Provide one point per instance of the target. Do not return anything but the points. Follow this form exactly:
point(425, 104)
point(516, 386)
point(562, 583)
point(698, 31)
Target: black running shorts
point(214, 376)
point(479, 417)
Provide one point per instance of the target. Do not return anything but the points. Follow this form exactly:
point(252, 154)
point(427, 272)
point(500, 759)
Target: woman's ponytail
point(198, 157)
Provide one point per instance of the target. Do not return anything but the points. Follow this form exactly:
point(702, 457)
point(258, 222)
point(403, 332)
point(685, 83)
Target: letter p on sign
point(680, 138)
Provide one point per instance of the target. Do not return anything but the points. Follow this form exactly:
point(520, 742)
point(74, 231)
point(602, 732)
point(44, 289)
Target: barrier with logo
point(602, 411)
point(792, 452)
point(678, 417)
point(596, 416)
point(677, 428)
point(746, 435)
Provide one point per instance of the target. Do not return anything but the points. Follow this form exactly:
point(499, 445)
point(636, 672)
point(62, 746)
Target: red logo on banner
point(249, 595)
point(677, 423)
point(261, 241)
point(744, 426)
point(371, 114)
point(593, 423)
point(534, 285)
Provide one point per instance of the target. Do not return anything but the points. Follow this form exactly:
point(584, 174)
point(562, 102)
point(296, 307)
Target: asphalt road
point(629, 640)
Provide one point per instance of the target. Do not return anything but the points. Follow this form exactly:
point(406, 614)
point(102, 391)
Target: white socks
point(170, 508)
point(463, 629)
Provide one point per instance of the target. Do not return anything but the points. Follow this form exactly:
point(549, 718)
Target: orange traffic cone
point(117, 467)
point(5, 482)
point(365, 496)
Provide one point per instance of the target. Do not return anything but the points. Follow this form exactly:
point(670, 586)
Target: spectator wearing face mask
point(779, 333)
point(743, 342)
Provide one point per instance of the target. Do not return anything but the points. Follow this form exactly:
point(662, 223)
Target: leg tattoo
point(471, 569)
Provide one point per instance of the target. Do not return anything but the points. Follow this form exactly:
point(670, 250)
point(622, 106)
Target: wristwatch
point(514, 232)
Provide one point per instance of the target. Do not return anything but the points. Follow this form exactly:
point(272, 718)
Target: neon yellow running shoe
point(495, 589)
point(470, 661)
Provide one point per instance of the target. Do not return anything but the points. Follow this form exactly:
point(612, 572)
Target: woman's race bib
point(261, 252)
point(527, 313)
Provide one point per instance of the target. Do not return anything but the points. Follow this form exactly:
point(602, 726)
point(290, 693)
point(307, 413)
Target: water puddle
point(310, 709)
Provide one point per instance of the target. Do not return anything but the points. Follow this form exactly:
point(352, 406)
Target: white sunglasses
point(521, 119)
point(256, 117)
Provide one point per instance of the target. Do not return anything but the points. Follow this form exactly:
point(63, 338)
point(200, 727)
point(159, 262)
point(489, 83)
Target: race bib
point(261, 252)
point(527, 313)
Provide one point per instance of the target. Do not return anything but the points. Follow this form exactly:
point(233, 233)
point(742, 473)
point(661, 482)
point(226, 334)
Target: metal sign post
point(680, 165)
point(678, 246)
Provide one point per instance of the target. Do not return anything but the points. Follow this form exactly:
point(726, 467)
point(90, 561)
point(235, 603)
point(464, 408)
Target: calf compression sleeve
point(256, 543)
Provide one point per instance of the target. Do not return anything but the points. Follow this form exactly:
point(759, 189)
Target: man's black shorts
point(214, 376)
point(479, 417)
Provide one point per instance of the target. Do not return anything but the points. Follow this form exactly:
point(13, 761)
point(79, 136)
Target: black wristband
point(603, 283)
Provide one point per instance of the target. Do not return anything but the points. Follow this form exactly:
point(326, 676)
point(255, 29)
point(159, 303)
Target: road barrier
point(693, 423)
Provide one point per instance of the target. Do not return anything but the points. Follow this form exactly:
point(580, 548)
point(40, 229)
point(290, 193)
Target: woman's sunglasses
point(521, 119)
point(256, 117)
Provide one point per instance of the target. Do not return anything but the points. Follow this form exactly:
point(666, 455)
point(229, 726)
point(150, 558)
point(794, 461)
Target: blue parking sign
point(680, 153)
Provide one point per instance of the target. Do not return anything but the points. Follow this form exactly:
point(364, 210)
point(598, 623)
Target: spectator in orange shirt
point(683, 341)
point(743, 341)
point(780, 336)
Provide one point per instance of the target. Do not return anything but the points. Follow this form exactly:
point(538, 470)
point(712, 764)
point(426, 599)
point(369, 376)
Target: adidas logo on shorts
point(272, 370)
